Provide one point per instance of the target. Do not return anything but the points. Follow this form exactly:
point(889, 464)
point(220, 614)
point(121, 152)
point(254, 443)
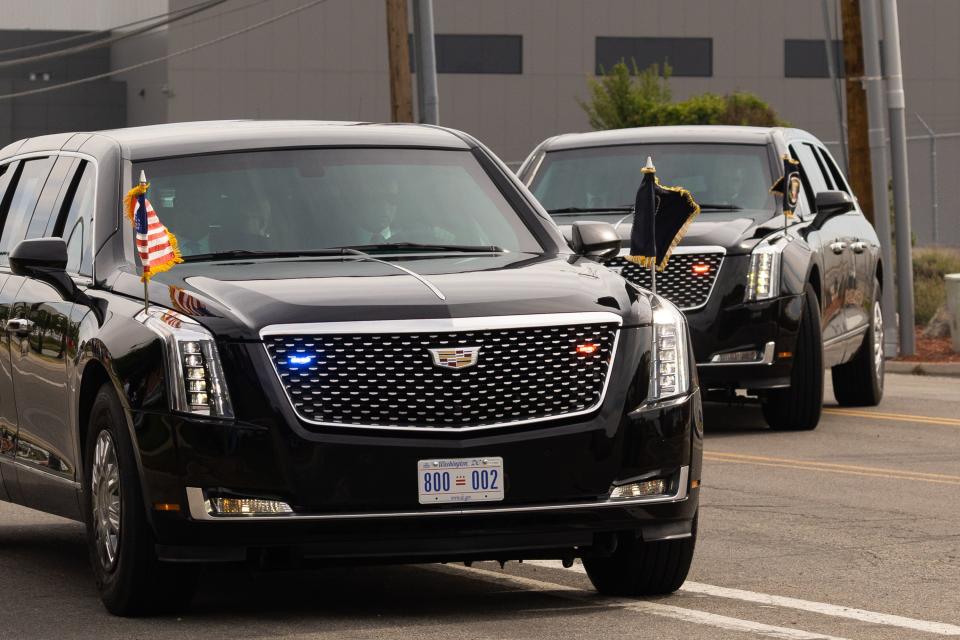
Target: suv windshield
point(307, 200)
point(727, 176)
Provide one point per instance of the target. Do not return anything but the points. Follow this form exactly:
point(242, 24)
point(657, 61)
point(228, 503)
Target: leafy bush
point(629, 97)
point(929, 291)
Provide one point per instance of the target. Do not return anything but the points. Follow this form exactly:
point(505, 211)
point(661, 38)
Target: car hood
point(238, 298)
point(736, 231)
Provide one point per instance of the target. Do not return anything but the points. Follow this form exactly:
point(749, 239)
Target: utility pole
point(834, 80)
point(878, 162)
point(896, 104)
point(398, 51)
point(428, 100)
point(857, 146)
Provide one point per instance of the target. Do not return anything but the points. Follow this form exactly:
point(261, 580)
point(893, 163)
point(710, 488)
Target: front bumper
point(768, 328)
point(556, 505)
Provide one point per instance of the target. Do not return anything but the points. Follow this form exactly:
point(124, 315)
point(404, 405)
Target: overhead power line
point(146, 63)
point(105, 42)
point(92, 34)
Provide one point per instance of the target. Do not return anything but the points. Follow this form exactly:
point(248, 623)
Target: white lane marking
point(653, 608)
point(837, 611)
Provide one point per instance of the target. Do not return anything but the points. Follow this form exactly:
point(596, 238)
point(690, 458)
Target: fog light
point(248, 506)
point(639, 489)
point(737, 356)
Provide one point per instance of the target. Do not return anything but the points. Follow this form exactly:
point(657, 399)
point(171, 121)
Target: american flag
point(155, 244)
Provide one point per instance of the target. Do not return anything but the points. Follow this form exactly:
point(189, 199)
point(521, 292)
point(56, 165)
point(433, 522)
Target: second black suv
point(771, 301)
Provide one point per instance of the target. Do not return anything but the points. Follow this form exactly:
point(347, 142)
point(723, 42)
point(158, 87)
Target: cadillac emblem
point(455, 357)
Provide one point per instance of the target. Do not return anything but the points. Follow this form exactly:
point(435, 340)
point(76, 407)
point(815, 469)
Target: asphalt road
point(850, 531)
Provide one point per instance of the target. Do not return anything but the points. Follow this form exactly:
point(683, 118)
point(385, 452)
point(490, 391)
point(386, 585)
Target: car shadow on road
point(721, 419)
point(48, 563)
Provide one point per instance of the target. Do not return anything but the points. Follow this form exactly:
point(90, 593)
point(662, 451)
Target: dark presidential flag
point(788, 185)
point(661, 217)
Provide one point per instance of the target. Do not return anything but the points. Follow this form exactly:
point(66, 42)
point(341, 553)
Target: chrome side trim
point(768, 351)
point(442, 325)
point(201, 510)
point(657, 405)
point(849, 335)
point(39, 472)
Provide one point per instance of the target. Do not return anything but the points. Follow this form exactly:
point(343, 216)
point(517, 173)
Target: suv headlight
point(196, 383)
point(671, 363)
point(763, 280)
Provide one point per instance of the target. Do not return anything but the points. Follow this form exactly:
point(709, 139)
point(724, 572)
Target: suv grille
point(677, 283)
point(390, 379)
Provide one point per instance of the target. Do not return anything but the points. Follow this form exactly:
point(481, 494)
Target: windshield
point(732, 176)
point(314, 199)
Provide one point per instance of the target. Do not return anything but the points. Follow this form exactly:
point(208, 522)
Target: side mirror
point(39, 257)
point(45, 259)
point(595, 240)
point(830, 204)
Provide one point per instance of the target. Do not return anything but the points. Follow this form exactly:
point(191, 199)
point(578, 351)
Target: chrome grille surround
point(677, 283)
point(380, 375)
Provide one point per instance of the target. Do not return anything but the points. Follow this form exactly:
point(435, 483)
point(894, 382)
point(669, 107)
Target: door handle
point(859, 247)
point(838, 247)
point(19, 326)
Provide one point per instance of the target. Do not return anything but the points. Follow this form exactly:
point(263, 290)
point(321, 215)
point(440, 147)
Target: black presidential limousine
point(771, 301)
point(378, 347)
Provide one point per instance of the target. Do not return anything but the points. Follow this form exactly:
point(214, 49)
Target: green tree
point(630, 97)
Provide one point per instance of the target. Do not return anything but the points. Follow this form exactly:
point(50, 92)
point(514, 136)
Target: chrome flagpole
point(649, 168)
point(146, 283)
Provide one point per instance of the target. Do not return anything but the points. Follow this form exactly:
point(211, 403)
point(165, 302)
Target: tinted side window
point(73, 223)
point(31, 174)
point(834, 170)
point(811, 168)
point(56, 183)
point(6, 173)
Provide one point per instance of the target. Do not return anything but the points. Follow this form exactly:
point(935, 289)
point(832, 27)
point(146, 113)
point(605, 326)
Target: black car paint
point(267, 451)
point(843, 283)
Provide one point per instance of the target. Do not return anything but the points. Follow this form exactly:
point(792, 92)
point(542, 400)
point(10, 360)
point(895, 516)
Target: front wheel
point(859, 383)
point(130, 579)
point(797, 408)
point(639, 568)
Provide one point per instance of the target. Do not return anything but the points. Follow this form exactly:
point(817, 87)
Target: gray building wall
point(330, 62)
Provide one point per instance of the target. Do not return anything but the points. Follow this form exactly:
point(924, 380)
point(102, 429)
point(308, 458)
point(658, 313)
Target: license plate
point(460, 480)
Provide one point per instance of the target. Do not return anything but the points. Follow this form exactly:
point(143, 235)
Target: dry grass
point(929, 267)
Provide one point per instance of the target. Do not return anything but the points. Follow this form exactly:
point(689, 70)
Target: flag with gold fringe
point(155, 244)
point(661, 218)
point(788, 185)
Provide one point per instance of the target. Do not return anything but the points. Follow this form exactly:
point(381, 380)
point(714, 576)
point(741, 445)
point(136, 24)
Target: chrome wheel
point(878, 343)
point(105, 493)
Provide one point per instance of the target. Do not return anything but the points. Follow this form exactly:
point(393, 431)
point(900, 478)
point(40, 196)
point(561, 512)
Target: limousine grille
point(686, 282)
point(394, 380)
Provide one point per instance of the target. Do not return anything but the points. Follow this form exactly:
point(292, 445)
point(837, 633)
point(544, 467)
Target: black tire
point(639, 568)
point(859, 383)
point(797, 408)
point(131, 581)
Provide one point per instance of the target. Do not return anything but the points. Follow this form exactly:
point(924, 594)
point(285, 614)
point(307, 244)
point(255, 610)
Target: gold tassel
point(170, 264)
point(130, 200)
point(647, 261)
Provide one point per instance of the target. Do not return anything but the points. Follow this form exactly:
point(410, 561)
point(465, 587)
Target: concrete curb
point(924, 368)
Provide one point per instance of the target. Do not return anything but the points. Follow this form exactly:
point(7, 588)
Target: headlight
point(196, 383)
point(763, 280)
point(671, 373)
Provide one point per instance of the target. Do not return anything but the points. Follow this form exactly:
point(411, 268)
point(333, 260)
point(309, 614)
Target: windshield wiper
point(416, 246)
point(720, 207)
point(574, 210)
point(247, 253)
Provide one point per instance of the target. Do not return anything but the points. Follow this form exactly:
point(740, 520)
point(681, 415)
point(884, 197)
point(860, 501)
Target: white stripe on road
point(837, 611)
point(653, 608)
